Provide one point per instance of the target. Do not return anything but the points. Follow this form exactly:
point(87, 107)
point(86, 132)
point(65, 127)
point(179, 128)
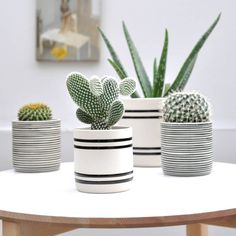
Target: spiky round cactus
point(34, 112)
point(98, 99)
point(186, 107)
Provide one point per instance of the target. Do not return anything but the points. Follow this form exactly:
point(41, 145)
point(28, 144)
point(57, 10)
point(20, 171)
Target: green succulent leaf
point(166, 87)
point(159, 74)
point(78, 87)
point(110, 94)
point(114, 55)
point(187, 73)
point(95, 85)
point(116, 112)
point(84, 117)
point(139, 68)
point(119, 72)
point(117, 68)
point(188, 65)
point(127, 86)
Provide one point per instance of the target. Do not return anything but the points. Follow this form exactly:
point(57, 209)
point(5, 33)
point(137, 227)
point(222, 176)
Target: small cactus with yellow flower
point(34, 112)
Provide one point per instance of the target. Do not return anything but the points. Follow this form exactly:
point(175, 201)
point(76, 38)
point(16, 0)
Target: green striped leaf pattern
point(138, 65)
point(122, 73)
point(159, 74)
point(188, 65)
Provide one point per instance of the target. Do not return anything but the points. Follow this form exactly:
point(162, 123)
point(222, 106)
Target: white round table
point(29, 201)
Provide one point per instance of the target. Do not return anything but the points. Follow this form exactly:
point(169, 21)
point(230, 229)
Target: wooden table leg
point(26, 228)
point(10, 229)
point(197, 230)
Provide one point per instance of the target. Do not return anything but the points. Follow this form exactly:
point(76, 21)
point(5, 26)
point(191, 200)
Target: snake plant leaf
point(159, 74)
point(122, 74)
point(117, 68)
point(138, 65)
point(187, 73)
point(183, 75)
point(166, 87)
point(115, 114)
point(84, 117)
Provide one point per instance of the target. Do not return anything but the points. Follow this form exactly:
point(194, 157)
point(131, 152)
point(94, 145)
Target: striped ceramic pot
point(36, 145)
point(187, 148)
point(144, 115)
point(103, 160)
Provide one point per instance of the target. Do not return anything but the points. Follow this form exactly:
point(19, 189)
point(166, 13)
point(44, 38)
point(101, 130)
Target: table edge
point(132, 222)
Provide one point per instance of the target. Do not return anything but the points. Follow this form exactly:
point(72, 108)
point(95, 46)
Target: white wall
point(24, 80)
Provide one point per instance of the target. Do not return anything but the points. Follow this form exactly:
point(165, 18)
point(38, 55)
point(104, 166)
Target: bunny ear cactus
point(186, 107)
point(98, 99)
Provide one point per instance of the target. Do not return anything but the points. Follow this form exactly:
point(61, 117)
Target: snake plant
point(158, 88)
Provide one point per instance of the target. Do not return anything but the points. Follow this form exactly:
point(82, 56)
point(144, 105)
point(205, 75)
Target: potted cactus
point(186, 135)
point(145, 114)
point(103, 154)
point(36, 139)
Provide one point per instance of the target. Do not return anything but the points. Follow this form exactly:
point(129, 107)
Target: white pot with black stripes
point(144, 115)
point(103, 159)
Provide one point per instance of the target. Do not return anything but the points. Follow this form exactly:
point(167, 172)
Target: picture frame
point(66, 30)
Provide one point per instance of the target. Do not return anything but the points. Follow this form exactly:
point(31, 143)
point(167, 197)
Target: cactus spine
point(34, 112)
point(98, 99)
point(186, 107)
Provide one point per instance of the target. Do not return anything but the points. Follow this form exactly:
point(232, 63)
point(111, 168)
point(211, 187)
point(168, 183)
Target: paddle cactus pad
point(98, 99)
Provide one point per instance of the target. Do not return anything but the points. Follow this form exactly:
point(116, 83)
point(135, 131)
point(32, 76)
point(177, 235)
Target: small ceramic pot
point(103, 160)
point(187, 148)
point(36, 145)
point(144, 115)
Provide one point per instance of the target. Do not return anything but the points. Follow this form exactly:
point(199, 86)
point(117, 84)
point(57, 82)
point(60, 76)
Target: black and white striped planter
point(187, 148)
point(144, 115)
point(36, 145)
point(103, 160)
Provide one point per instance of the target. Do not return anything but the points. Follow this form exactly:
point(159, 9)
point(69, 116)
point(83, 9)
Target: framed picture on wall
point(66, 30)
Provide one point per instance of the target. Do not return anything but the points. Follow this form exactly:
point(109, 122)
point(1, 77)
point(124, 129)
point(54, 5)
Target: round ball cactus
point(34, 112)
point(186, 107)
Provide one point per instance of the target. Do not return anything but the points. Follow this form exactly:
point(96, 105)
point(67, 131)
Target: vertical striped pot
point(103, 160)
point(144, 115)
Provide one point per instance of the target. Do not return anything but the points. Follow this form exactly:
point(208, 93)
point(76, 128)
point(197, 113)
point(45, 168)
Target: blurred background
point(24, 79)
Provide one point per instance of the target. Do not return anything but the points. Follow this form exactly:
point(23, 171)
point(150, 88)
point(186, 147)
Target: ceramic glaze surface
point(103, 160)
point(144, 115)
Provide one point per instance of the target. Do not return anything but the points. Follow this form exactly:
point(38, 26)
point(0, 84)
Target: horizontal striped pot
point(36, 145)
point(187, 148)
point(144, 115)
point(103, 160)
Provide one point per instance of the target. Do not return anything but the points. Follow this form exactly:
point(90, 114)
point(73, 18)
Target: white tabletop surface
point(152, 194)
